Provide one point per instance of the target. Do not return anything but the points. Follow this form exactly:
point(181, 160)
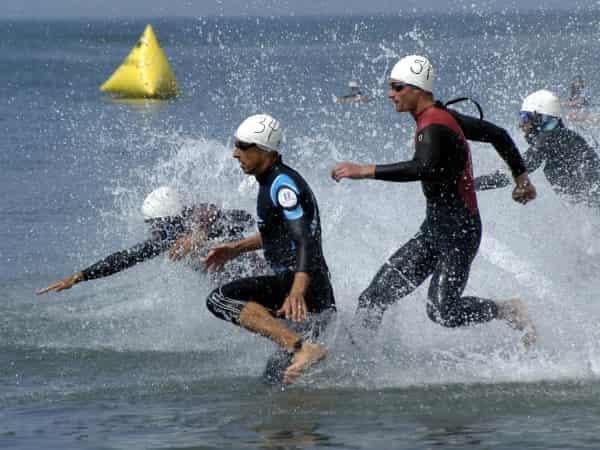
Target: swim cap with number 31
point(415, 70)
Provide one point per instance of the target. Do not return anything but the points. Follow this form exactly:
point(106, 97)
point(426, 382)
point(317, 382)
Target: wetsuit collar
point(420, 113)
point(266, 175)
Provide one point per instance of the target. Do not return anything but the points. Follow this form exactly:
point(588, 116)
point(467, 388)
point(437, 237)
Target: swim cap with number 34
point(262, 130)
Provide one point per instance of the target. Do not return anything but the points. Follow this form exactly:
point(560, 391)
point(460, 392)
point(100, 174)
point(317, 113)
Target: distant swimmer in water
point(289, 232)
point(173, 227)
point(577, 94)
point(355, 95)
point(571, 166)
point(578, 102)
point(448, 240)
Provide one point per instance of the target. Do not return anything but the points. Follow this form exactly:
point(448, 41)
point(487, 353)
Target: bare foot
point(308, 355)
point(515, 313)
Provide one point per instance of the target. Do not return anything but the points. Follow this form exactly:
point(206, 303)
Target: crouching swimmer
point(290, 235)
point(173, 227)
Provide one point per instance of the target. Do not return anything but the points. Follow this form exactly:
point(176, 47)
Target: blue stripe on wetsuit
point(285, 181)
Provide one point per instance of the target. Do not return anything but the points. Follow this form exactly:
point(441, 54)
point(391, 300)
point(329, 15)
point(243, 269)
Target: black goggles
point(243, 145)
point(398, 87)
point(525, 117)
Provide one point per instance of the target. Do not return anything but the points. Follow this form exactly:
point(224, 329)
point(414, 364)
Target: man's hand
point(61, 285)
point(353, 171)
point(186, 245)
point(524, 190)
point(294, 307)
point(219, 255)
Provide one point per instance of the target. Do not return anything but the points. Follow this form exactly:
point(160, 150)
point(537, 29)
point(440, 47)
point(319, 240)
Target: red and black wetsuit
point(449, 237)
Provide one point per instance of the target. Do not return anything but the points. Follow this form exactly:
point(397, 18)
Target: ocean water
point(136, 361)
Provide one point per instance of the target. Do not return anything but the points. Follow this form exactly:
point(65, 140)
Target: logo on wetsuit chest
point(287, 198)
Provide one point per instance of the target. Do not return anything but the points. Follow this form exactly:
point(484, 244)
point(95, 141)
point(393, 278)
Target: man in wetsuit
point(173, 227)
point(449, 238)
point(571, 166)
point(290, 235)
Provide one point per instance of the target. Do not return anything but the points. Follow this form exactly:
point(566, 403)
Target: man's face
point(526, 127)
point(403, 96)
point(249, 156)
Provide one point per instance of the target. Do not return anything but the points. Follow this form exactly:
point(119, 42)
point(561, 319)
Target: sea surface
point(135, 361)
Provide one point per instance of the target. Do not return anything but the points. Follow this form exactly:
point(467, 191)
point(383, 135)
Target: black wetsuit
point(571, 166)
point(449, 237)
point(225, 224)
point(290, 229)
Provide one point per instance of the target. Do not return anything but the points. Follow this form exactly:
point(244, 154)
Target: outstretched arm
point(61, 285)
point(532, 159)
point(431, 161)
point(108, 266)
point(427, 163)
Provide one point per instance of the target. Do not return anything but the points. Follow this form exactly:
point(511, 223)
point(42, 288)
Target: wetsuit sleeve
point(124, 259)
point(491, 181)
point(533, 158)
point(483, 131)
point(430, 162)
point(286, 196)
point(231, 224)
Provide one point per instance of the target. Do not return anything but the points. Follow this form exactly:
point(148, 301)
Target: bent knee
point(444, 316)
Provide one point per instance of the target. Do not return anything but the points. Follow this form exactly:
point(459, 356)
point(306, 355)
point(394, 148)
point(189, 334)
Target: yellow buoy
point(145, 73)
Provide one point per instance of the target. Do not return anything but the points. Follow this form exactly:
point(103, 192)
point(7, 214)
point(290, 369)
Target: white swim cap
point(353, 84)
point(542, 102)
point(415, 70)
point(162, 202)
point(262, 130)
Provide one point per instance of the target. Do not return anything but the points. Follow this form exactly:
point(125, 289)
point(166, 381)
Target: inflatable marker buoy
point(145, 73)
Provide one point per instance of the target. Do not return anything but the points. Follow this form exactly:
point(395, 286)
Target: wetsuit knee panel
point(446, 317)
point(390, 284)
point(463, 311)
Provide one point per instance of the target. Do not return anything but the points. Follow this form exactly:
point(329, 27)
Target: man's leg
point(445, 305)
point(398, 277)
point(321, 303)
point(256, 318)
point(449, 309)
point(251, 303)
